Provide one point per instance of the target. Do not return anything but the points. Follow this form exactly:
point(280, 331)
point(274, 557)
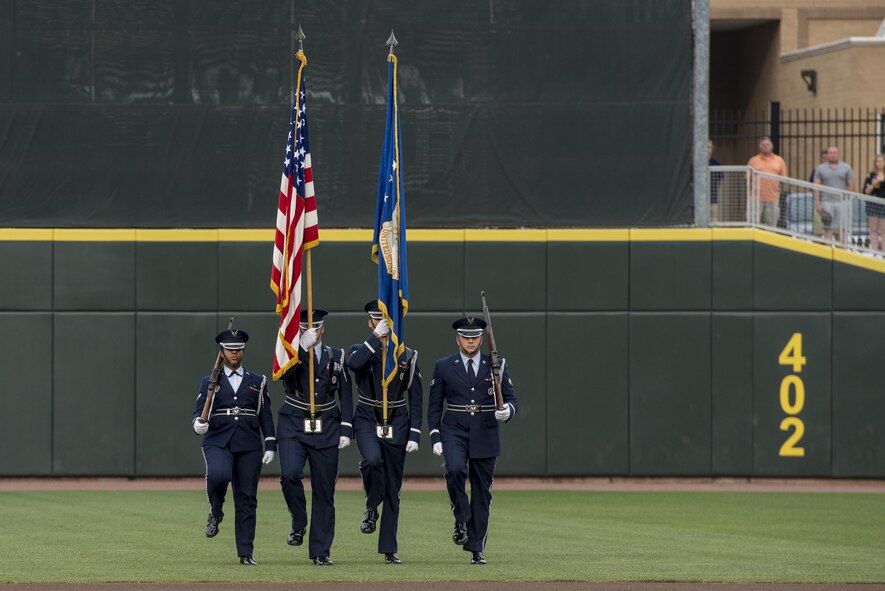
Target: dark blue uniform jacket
point(333, 400)
point(253, 430)
point(451, 385)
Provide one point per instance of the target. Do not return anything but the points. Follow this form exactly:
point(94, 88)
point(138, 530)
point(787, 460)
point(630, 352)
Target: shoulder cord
point(261, 393)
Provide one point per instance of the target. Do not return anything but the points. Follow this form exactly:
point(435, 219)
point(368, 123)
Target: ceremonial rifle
point(212, 388)
point(493, 355)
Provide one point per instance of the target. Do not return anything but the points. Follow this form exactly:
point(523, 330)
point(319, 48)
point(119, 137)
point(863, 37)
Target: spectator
point(823, 158)
point(832, 207)
point(875, 187)
point(817, 227)
point(769, 189)
point(715, 180)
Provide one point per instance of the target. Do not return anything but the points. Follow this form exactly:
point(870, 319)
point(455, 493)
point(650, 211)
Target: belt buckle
point(471, 408)
point(236, 410)
point(313, 426)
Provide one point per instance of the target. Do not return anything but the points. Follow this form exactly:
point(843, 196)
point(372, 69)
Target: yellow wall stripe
point(585, 235)
point(245, 235)
point(451, 235)
point(671, 234)
point(25, 234)
point(505, 235)
point(176, 235)
point(345, 235)
point(733, 233)
point(790, 243)
point(93, 235)
point(859, 260)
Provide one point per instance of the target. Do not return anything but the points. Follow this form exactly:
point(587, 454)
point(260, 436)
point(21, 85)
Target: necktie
point(471, 375)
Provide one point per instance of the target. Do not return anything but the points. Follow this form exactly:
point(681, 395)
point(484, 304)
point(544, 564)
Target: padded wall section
point(792, 403)
point(93, 402)
point(177, 276)
point(588, 421)
point(27, 282)
point(94, 276)
point(731, 393)
point(513, 276)
point(524, 438)
point(670, 275)
point(26, 432)
point(244, 276)
point(790, 281)
point(732, 275)
point(855, 288)
point(436, 277)
point(588, 276)
point(173, 352)
point(670, 394)
point(858, 395)
point(345, 277)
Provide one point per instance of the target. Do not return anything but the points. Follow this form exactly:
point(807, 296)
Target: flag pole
point(300, 37)
point(391, 42)
point(384, 427)
point(310, 353)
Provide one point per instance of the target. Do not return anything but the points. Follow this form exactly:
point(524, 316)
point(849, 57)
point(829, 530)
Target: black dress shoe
point(367, 525)
point(296, 537)
point(392, 558)
point(322, 561)
point(478, 558)
point(212, 525)
point(247, 560)
point(459, 533)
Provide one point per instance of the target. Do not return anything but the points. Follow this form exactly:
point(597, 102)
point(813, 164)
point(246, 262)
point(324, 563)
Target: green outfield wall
point(730, 352)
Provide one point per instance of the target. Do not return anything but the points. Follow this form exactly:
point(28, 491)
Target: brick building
point(813, 57)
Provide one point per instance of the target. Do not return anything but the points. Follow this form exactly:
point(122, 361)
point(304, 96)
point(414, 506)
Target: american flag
point(296, 230)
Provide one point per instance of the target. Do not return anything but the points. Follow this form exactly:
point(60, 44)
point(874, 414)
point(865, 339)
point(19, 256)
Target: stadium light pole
point(701, 110)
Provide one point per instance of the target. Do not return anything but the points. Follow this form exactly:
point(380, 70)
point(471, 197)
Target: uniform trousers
point(242, 470)
point(323, 475)
point(381, 467)
point(473, 511)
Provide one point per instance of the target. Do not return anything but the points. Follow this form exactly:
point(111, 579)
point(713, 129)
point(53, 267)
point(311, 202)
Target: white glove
point(437, 449)
point(308, 339)
point(382, 329)
point(200, 427)
point(268, 458)
point(411, 446)
point(343, 442)
point(503, 414)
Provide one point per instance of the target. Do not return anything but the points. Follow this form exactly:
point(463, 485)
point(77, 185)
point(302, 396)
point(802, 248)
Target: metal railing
point(742, 196)
point(800, 134)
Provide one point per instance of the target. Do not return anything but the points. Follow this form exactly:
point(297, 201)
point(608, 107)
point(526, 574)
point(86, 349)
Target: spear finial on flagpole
point(300, 37)
point(392, 42)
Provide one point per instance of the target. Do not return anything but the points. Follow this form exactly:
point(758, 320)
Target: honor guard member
point(237, 440)
point(317, 442)
point(466, 434)
point(384, 455)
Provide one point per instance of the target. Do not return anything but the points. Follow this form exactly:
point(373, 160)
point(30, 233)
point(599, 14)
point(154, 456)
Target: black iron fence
point(800, 135)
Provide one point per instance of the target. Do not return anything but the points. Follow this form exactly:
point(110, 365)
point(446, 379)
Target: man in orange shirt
point(769, 189)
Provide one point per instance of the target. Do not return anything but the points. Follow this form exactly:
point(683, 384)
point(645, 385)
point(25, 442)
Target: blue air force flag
point(389, 241)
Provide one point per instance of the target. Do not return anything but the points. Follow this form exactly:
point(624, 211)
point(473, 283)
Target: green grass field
point(150, 536)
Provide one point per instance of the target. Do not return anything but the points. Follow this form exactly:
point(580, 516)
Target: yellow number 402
point(792, 353)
